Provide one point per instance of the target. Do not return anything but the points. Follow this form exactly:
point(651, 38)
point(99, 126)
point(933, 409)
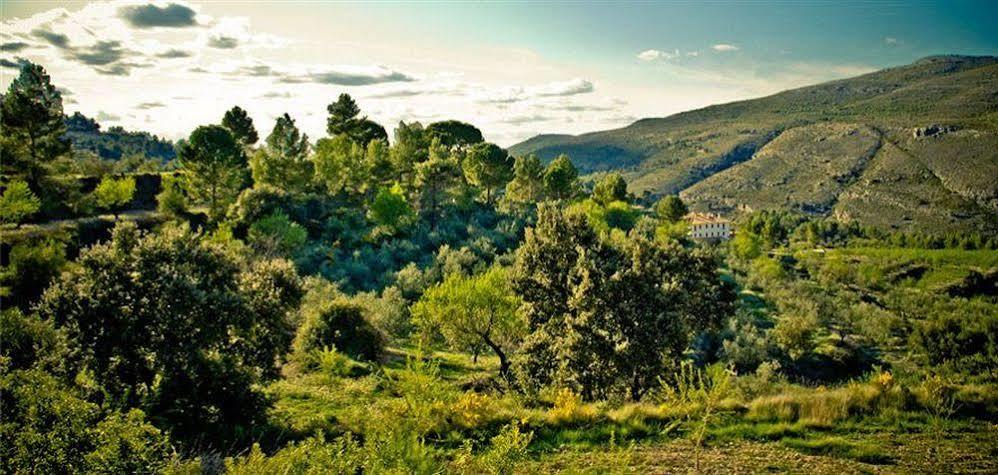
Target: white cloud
point(724, 47)
point(651, 54)
point(892, 41)
point(566, 88)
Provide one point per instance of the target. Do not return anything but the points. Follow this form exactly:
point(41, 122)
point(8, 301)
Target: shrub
point(337, 323)
point(30, 342)
point(49, 429)
point(313, 455)
point(171, 200)
point(31, 267)
point(276, 234)
point(18, 202)
point(569, 409)
point(506, 450)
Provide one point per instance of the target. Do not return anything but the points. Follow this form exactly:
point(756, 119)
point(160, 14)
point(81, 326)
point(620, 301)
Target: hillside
point(913, 147)
point(115, 143)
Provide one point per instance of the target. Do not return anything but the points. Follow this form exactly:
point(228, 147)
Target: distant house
point(709, 226)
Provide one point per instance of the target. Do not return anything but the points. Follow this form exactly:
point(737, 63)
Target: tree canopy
point(213, 166)
point(33, 129)
point(488, 166)
point(241, 125)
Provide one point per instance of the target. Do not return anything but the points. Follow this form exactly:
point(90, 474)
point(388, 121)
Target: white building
point(709, 226)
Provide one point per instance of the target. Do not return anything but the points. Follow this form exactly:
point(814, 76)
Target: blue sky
point(513, 69)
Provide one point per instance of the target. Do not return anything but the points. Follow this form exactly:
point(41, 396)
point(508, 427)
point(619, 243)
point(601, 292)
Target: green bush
point(337, 323)
point(48, 429)
point(18, 202)
point(31, 267)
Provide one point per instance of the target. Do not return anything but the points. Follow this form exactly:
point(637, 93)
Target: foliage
point(340, 165)
point(30, 268)
point(391, 210)
point(527, 185)
point(436, 179)
point(283, 161)
point(487, 166)
point(455, 133)
point(171, 200)
point(33, 128)
point(123, 148)
point(671, 209)
point(344, 121)
point(18, 202)
point(276, 235)
point(213, 167)
point(609, 189)
point(114, 193)
point(31, 343)
point(472, 312)
point(48, 427)
point(174, 348)
point(241, 125)
point(560, 179)
point(331, 321)
point(608, 316)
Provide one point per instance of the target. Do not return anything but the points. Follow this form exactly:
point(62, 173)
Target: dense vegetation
point(850, 148)
point(433, 304)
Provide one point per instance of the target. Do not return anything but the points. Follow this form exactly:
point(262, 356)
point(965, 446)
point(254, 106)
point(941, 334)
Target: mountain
point(912, 147)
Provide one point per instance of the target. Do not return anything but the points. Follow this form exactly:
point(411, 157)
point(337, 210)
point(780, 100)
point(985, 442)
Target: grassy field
point(832, 431)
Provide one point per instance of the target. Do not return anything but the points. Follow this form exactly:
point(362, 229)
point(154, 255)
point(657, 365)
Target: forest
point(255, 300)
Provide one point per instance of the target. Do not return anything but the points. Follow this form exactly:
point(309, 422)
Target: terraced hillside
point(908, 147)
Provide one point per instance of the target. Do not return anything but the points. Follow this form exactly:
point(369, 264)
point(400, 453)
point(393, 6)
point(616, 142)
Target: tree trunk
point(504, 366)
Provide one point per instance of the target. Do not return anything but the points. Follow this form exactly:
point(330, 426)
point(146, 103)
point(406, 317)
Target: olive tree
point(474, 311)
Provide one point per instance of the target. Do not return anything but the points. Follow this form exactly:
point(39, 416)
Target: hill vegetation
point(787, 151)
point(430, 304)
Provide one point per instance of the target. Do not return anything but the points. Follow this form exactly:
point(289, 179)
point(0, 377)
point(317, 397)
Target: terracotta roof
point(705, 218)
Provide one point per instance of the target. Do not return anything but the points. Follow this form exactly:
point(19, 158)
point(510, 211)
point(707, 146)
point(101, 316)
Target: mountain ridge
point(952, 100)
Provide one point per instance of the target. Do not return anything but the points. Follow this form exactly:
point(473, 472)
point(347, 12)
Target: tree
point(473, 311)
point(411, 147)
point(610, 316)
point(18, 202)
point(344, 120)
point(213, 167)
point(114, 193)
point(284, 162)
point(610, 188)
point(454, 133)
point(33, 126)
point(488, 166)
point(671, 209)
point(390, 209)
point(342, 115)
point(241, 125)
point(434, 180)
point(560, 179)
point(527, 186)
point(366, 131)
point(340, 165)
point(177, 326)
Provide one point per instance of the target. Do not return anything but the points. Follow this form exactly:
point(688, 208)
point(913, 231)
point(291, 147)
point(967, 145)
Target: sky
point(513, 69)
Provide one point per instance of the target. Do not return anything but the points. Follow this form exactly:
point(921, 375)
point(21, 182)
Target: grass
point(834, 446)
point(845, 429)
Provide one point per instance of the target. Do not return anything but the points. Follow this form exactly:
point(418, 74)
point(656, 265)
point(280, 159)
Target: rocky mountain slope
point(913, 147)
